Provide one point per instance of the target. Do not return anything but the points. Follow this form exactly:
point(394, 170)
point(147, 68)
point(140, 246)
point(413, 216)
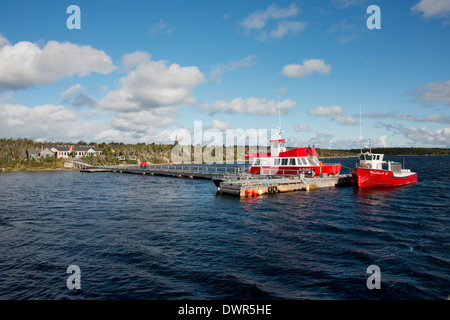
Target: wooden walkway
point(180, 171)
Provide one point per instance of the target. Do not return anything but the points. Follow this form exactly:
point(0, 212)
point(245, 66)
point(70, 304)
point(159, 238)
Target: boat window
point(368, 157)
point(284, 162)
point(362, 157)
point(304, 161)
point(277, 162)
point(257, 162)
point(292, 162)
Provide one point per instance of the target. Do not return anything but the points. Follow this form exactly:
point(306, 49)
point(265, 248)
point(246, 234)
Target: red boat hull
point(293, 170)
point(380, 178)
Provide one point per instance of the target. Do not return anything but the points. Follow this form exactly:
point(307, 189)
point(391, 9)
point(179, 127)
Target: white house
point(77, 151)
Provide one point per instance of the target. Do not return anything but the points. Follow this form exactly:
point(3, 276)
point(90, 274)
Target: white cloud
point(220, 125)
point(344, 31)
point(382, 141)
point(74, 97)
point(434, 92)
point(140, 121)
point(326, 111)
point(153, 84)
point(259, 19)
point(436, 118)
point(3, 41)
point(218, 70)
point(56, 123)
point(346, 121)
point(342, 4)
point(422, 136)
point(25, 64)
point(323, 140)
point(73, 90)
point(20, 114)
point(151, 135)
point(432, 8)
point(336, 112)
point(42, 121)
point(308, 66)
point(161, 28)
point(302, 127)
point(132, 60)
point(253, 105)
point(287, 27)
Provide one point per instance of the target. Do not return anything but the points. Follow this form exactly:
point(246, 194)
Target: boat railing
point(395, 167)
point(281, 171)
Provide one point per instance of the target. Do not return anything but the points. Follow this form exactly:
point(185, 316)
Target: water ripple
point(148, 237)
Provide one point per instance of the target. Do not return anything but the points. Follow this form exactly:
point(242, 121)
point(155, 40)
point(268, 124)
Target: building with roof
point(39, 153)
point(33, 153)
point(74, 151)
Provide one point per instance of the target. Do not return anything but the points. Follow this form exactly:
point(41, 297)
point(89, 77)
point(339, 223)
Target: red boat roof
point(277, 140)
point(299, 152)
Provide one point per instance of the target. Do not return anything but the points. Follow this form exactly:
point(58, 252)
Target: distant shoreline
point(3, 170)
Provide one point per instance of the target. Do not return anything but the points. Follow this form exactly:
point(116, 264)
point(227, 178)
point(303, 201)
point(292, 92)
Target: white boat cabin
point(278, 161)
point(371, 160)
point(375, 161)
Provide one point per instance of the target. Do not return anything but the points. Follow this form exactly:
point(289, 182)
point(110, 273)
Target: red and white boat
point(372, 171)
point(292, 162)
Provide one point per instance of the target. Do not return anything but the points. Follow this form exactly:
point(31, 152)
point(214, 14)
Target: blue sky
point(140, 71)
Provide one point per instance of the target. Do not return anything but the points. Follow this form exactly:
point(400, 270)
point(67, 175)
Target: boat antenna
point(360, 129)
point(279, 117)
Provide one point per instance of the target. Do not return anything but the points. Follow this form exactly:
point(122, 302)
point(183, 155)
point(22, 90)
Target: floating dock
point(234, 180)
point(258, 185)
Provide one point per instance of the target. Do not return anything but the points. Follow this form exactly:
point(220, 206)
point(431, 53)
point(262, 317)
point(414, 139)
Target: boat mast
point(279, 117)
point(360, 129)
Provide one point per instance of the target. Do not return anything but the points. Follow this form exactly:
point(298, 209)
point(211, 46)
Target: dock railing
point(190, 169)
point(205, 170)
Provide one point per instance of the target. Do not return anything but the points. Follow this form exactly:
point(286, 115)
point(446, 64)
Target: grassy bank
point(33, 165)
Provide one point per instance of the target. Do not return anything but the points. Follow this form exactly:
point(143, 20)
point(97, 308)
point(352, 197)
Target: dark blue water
point(148, 237)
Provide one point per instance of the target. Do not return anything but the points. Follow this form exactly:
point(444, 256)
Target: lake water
point(149, 237)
